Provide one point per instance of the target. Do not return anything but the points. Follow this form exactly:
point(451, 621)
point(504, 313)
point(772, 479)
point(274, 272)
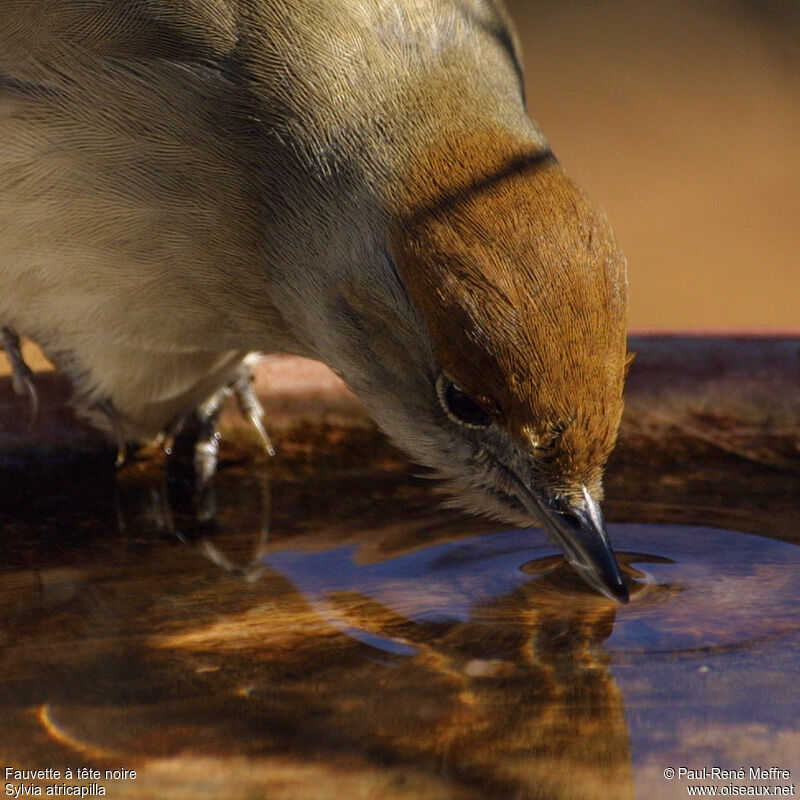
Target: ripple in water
point(692, 588)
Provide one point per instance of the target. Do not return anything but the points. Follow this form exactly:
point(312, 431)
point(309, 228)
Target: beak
point(579, 530)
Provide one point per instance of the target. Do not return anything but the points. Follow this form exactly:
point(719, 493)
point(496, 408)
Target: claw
point(191, 443)
point(251, 408)
point(21, 373)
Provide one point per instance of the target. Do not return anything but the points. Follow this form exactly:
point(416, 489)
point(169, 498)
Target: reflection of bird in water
point(184, 183)
point(161, 653)
point(509, 693)
point(517, 699)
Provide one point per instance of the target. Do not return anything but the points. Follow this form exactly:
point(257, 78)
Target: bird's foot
point(192, 444)
point(21, 373)
point(250, 406)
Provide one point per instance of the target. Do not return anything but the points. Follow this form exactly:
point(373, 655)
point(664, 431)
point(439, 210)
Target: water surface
point(331, 633)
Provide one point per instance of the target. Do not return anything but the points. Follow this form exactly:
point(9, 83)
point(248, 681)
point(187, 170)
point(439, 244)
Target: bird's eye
point(459, 406)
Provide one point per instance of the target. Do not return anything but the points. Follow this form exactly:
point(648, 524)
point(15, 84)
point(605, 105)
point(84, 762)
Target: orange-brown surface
point(683, 121)
point(332, 634)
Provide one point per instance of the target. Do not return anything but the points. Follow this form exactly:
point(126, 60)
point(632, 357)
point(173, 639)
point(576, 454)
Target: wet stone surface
point(332, 633)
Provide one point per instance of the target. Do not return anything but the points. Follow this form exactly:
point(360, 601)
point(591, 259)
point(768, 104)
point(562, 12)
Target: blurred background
point(682, 120)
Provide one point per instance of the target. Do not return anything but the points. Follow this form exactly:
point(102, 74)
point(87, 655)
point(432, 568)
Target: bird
point(184, 183)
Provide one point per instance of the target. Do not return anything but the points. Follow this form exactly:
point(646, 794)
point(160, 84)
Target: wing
point(128, 191)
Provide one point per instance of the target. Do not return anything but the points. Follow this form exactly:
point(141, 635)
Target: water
point(332, 634)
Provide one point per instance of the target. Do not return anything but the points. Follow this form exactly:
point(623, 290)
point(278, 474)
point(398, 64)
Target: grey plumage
point(183, 182)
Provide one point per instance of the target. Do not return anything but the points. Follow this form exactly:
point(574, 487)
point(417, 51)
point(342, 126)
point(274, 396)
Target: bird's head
point(509, 385)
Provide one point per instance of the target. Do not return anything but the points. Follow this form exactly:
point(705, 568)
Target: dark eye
point(459, 406)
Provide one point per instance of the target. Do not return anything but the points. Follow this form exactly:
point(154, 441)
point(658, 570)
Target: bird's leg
point(192, 447)
point(116, 426)
point(250, 406)
point(21, 373)
point(192, 444)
